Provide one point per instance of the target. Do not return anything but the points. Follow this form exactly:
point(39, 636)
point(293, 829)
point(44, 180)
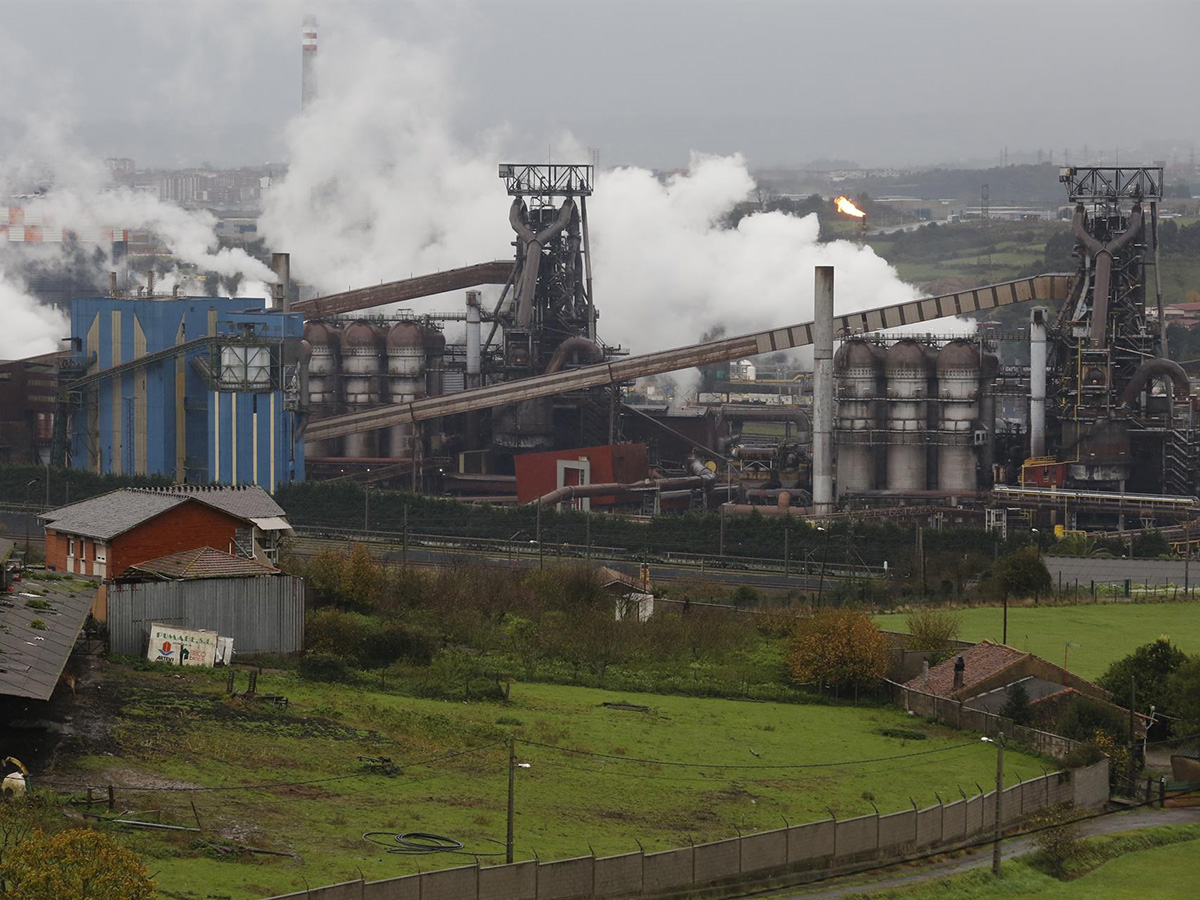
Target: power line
point(691, 765)
point(274, 784)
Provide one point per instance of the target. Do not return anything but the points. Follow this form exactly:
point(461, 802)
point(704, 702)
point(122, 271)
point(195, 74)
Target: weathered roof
point(37, 639)
point(203, 562)
point(1035, 689)
point(111, 514)
point(246, 501)
point(982, 661)
point(114, 513)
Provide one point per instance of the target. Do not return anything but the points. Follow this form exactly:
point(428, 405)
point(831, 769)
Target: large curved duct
point(306, 351)
point(1103, 254)
point(531, 245)
point(590, 349)
point(1153, 368)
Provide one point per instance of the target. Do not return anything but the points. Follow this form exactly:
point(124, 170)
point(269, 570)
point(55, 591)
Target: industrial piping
point(1037, 381)
point(532, 245)
point(823, 391)
point(1150, 369)
point(590, 349)
point(702, 477)
point(474, 317)
point(1103, 254)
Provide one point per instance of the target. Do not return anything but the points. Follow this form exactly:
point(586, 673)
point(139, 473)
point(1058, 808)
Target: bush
point(1016, 705)
point(1058, 844)
point(324, 667)
point(838, 646)
point(336, 632)
point(932, 629)
point(392, 642)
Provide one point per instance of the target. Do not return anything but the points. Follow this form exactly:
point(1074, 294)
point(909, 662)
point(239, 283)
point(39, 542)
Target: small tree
point(77, 864)
point(1057, 842)
point(1016, 706)
point(1152, 666)
point(1183, 695)
point(840, 647)
point(932, 629)
point(1021, 574)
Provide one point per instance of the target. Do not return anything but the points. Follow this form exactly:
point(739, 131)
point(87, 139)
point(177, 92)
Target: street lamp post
point(824, 554)
point(27, 487)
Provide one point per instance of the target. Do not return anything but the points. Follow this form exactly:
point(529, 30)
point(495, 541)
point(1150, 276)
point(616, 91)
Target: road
point(853, 885)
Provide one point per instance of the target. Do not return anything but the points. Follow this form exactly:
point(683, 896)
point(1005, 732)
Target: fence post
point(878, 846)
point(941, 818)
point(916, 821)
point(833, 816)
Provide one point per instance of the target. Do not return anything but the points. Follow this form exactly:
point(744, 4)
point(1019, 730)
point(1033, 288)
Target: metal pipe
point(588, 348)
point(474, 317)
point(532, 245)
point(1103, 254)
point(1156, 367)
point(1037, 381)
point(823, 390)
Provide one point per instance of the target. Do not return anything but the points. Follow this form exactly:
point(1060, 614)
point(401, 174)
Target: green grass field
point(1136, 868)
point(177, 730)
point(1101, 634)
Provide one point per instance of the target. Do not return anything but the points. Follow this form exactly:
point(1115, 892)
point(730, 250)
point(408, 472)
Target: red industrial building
point(540, 473)
point(105, 536)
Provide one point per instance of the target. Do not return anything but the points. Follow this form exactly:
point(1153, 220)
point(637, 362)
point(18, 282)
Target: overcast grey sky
point(878, 81)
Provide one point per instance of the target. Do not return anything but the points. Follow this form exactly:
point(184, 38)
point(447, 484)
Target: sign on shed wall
point(182, 646)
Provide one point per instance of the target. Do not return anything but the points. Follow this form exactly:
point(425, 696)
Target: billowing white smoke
point(378, 189)
point(80, 198)
point(30, 328)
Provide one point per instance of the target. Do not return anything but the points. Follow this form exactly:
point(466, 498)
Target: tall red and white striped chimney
point(308, 65)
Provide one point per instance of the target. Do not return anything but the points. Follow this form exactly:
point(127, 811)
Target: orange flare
point(844, 205)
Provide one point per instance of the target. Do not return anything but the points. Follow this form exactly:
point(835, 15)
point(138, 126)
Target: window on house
point(101, 553)
point(82, 550)
point(70, 546)
point(243, 542)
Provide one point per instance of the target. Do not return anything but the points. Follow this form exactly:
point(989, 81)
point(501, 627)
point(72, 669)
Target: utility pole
point(722, 549)
point(587, 519)
point(512, 781)
point(1004, 640)
point(999, 803)
point(1132, 701)
point(405, 534)
point(539, 532)
point(787, 530)
point(366, 508)
point(1187, 556)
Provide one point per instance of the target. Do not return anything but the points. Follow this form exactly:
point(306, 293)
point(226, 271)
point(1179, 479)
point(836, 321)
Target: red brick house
point(104, 536)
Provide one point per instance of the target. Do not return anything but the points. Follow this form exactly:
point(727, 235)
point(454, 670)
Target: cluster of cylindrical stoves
point(908, 415)
point(366, 364)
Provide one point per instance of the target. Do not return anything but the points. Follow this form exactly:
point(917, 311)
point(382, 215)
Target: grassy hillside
point(177, 730)
point(1101, 634)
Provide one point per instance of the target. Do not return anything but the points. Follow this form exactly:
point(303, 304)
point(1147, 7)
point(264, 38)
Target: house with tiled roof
point(980, 677)
point(104, 536)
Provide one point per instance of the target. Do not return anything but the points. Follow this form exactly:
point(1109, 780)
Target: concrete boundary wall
point(956, 715)
point(750, 859)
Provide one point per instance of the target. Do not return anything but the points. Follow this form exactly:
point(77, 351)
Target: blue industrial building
point(204, 390)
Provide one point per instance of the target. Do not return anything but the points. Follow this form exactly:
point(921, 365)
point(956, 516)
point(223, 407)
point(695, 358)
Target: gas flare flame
point(844, 205)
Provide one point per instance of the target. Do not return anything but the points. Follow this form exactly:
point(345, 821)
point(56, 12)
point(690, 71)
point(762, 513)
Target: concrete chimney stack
point(960, 669)
point(823, 392)
point(1037, 381)
point(281, 290)
point(308, 62)
point(474, 316)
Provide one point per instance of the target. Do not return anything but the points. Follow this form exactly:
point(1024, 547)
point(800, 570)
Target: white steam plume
point(79, 197)
point(378, 189)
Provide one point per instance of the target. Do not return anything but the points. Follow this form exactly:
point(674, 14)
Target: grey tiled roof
point(245, 501)
point(108, 515)
point(31, 659)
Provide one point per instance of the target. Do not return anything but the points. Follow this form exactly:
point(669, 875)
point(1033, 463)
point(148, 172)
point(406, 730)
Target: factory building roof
point(203, 562)
point(39, 622)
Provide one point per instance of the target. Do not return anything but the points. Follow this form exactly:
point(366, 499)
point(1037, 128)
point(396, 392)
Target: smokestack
point(473, 334)
point(308, 62)
point(112, 284)
point(823, 391)
point(150, 283)
point(281, 290)
point(960, 669)
point(1037, 381)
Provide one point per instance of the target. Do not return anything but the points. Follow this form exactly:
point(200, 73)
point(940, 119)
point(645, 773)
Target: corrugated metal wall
point(262, 615)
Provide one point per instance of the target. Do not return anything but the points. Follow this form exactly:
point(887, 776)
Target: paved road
point(1128, 821)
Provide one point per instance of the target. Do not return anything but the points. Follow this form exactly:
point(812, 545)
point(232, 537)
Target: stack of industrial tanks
point(362, 365)
point(901, 402)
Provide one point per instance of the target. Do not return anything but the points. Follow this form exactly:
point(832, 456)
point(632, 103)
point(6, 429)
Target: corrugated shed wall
point(262, 614)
